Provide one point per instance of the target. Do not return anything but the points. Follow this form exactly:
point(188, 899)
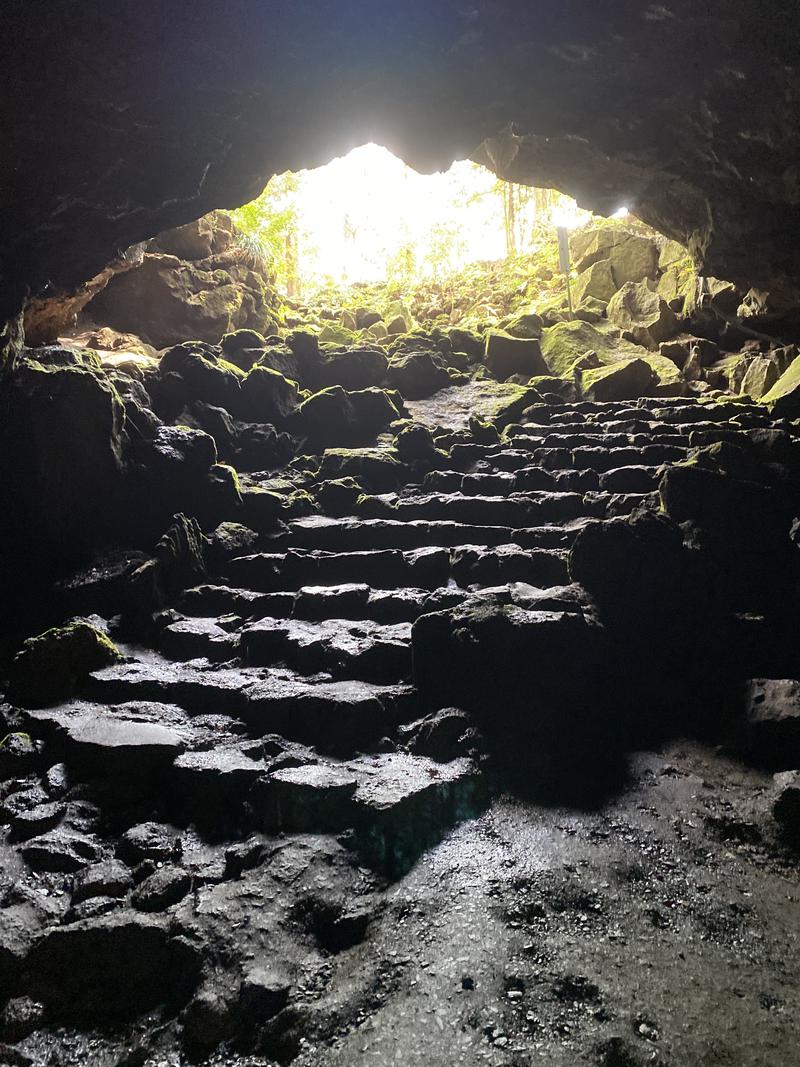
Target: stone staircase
point(293, 714)
point(279, 686)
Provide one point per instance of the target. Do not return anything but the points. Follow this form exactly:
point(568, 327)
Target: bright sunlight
point(367, 217)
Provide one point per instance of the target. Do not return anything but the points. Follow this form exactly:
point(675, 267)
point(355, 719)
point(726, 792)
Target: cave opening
point(399, 560)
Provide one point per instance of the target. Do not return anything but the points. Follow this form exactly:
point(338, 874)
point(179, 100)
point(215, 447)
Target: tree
point(270, 224)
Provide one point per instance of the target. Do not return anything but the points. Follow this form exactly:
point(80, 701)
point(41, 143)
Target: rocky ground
point(453, 716)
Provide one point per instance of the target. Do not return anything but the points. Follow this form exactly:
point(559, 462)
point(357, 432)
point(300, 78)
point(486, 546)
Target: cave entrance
point(368, 218)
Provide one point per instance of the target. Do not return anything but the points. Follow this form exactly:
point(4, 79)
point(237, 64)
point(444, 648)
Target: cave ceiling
point(124, 119)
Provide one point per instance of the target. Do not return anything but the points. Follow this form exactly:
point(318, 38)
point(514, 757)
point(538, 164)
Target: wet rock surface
point(382, 759)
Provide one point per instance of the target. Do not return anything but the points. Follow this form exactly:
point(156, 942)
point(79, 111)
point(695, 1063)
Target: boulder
point(195, 371)
point(643, 314)
point(266, 396)
point(565, 343)
point(535, 682)
point(786, 806)
point(49, 667)
point(415, 443)
point(418, 375)
point(783, 399)
point(632, 257)
point(770, 734)
point(655, 598)
point(127, 962)
point(466, 341)
point(167, 300)
point(209, 235)
point(743, 527)
point(526, 324)
point(597, 282)
point(672, 252)
point(356, 368)
point(243, 347)
point(61, 464)
point(759, 377)
point(505, 355)
point(335, 416)
point(374, 468)
point(669, 381)
point(727, 373)
point(626, 380)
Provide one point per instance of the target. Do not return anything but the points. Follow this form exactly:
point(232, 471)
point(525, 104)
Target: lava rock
point(127, 963)
point(443, 736)
point(771, 730)
point(163, 888)
point(60, 850)
point(49, 667)
point(786, 806)
point(624, 380)
point(418, 375)
point(266, 396)
point(108, 879)
point(313, 798)
point(505, 355)
point(149, 841)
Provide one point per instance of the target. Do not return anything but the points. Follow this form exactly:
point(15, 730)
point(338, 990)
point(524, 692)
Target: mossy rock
point(526, 325)
point(304, 344)
point(64, 465)
point(760, 377)
point(414, 443)
point(356, 368)
point(669, 379)
point(597, 282)
point(591, 310)
point(261, 509)
point(335, 416)
point(266, 396)
point(243, 347)
point(50, 667)
point(640, 311)
point(546, 383)
point(418, 375)
point(783, 399)
point(337, 335)
point(467, 341)
point(373, 468)
point(624, 380)
point(202, 375)
point(565, 343)
point(338, 496)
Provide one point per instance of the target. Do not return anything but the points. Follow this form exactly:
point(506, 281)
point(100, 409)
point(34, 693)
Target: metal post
point(565, 261)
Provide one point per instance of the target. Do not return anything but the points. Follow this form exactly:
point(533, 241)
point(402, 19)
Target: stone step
point(342, 648)
point(355, 534)
point(606, 459)
point(614, 505)
point(425, 568)
point(478, 565)
point(516, 510)
point(334, 716)
point(201, 637)
point(320, 533)
point(397, 804)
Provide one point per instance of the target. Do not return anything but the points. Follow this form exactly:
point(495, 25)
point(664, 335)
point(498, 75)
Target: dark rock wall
point(122, 120)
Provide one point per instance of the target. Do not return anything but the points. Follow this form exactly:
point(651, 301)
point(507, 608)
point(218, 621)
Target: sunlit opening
point(367, 217)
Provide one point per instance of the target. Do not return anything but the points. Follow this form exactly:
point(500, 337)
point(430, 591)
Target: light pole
point(565, 261)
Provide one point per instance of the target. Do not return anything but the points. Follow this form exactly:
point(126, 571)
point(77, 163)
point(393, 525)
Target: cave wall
point(124, 119)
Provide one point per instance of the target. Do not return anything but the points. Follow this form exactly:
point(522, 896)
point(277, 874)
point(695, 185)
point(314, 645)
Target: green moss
point(783, 399)
point(49, 667)
point(564, 344)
